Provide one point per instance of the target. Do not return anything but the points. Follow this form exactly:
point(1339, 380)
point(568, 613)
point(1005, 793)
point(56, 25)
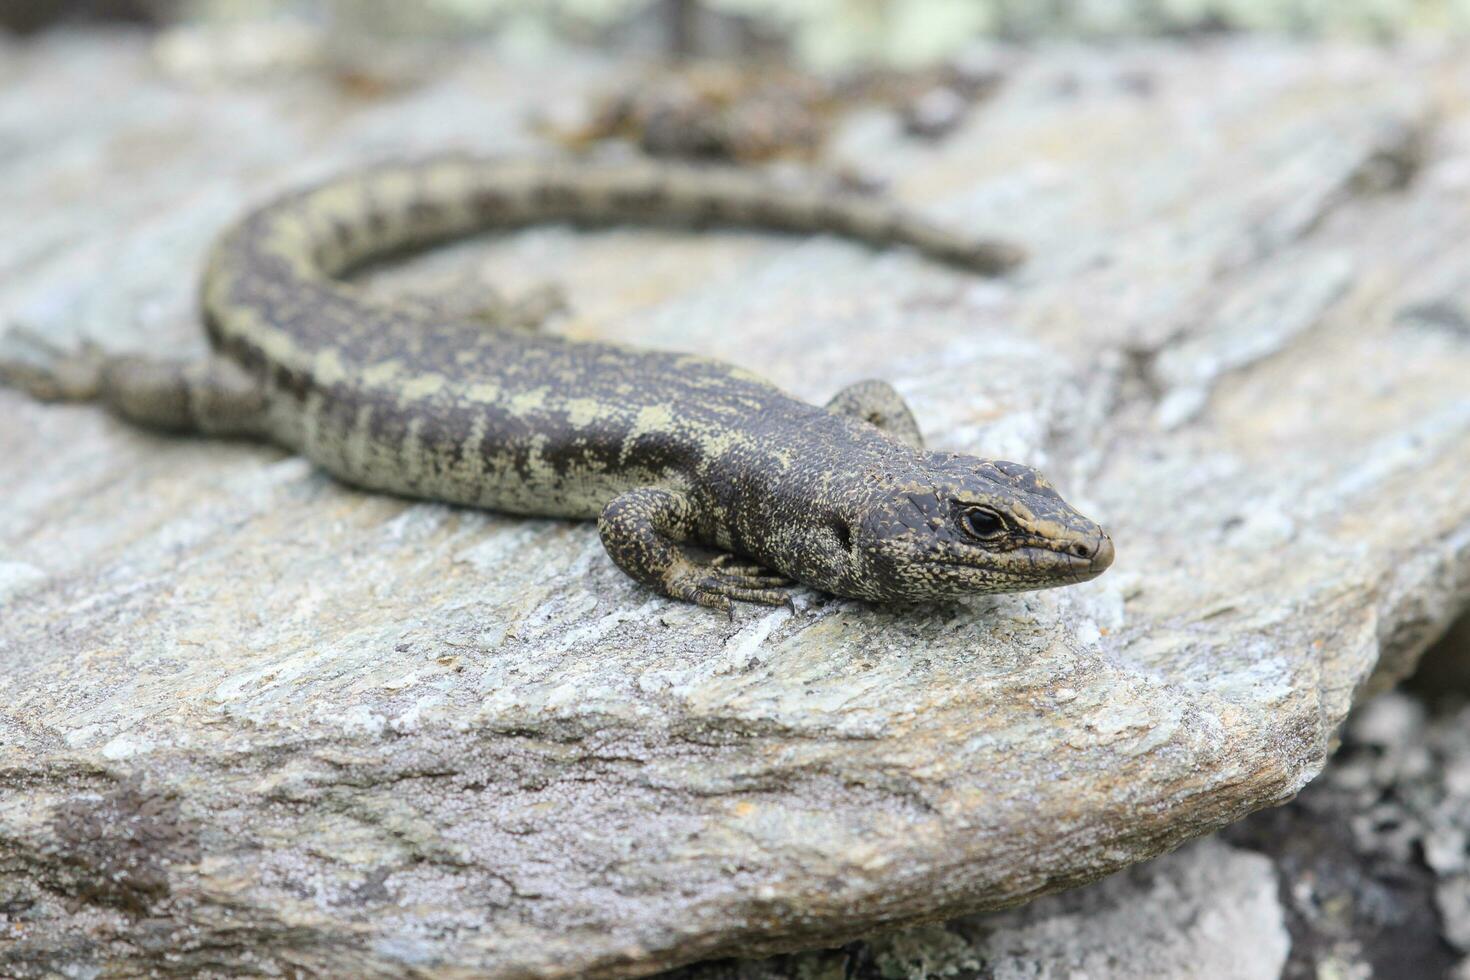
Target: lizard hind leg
point(212, 396)
point(642, 530)
point(878, 403)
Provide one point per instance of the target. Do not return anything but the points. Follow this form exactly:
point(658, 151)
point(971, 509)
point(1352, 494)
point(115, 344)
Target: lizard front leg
point(877, 402)
point(642, 530)
point(213, 396)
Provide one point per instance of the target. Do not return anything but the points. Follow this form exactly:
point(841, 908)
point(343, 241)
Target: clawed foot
point(33, 364)
point(728, 578)
point(644, 530)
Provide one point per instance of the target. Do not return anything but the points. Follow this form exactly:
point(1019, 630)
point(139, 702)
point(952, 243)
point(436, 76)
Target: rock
point(934, 114)
point(1321, 899)
point(1446, 665)
point(256, 722)
point(1181, 915)
point(1453, 899)
point(1372, 868)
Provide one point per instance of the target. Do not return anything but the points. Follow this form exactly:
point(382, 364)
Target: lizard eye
point(984, 523)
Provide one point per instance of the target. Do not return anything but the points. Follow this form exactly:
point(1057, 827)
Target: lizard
point(673, 454)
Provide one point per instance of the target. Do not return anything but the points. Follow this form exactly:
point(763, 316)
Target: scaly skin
point(662, 448)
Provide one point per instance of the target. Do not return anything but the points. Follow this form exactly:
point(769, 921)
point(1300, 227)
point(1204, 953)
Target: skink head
point(946, 526)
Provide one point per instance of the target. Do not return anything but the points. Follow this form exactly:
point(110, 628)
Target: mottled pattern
point(664, 448)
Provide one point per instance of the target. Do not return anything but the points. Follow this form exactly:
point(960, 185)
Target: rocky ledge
point(255, 722)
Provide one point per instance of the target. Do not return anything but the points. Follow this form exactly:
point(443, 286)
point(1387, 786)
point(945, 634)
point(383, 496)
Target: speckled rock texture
point(1373, 858)
point(1208, 910)
point(1362, 875)
point(254, 722)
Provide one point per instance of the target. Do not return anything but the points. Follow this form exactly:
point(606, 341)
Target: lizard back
point(389, 398)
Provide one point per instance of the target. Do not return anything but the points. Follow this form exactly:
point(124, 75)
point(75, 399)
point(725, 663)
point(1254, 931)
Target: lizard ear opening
point(844, 535)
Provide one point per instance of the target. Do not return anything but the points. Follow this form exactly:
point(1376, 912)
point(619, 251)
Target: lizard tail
point(329, 229)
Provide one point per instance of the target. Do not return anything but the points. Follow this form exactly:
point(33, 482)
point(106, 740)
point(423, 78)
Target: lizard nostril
point(1081, 550)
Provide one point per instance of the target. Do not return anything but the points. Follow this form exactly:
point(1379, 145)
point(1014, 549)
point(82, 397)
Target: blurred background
point(751, 80)
point(817, 33)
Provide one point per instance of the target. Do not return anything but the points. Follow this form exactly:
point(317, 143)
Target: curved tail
point(328, 229)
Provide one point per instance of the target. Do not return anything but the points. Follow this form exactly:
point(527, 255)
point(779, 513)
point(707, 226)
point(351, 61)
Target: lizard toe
point(735, 570)
point(768, 597)
point(754, 581)
point(774, 594)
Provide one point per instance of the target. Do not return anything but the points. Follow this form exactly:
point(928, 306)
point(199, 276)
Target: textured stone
point(1369, 854)
point(1181, 915)
point(256, 721)
point(1361, 870)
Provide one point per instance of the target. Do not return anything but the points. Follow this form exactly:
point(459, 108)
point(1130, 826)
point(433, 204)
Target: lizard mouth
point(1067, 565)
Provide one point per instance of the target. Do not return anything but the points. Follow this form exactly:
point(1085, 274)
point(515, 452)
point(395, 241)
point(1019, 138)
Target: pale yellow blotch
point(583, 411)
point(278, 345)
point(359, 440)
point(412, 448)
point(393, 187)
point(448, 181)
point(652, 418)
point(311, 414)
point(381, 373)
point(342, 200)
point(289, 236)
point(392, 190)
point(473, 463)
point(329, 368)
point(528, 401)
point(718, 441)
point(482, 392)
point(541, 472)
point(422, 386)
point(1050, 530)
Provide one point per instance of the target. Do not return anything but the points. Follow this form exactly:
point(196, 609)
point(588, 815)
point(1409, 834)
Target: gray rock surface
point(1347, 880)
point(253, 721)
point(1182, 915)
point(1372, 855)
